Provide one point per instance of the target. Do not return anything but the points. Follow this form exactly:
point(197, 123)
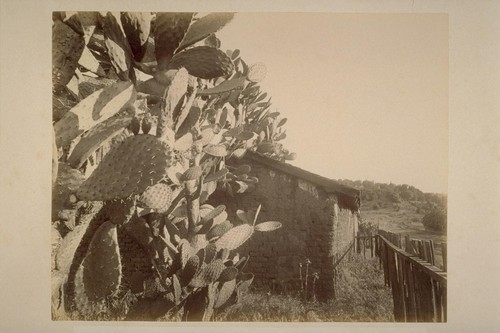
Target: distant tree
point(392, 196)
point(435, 220)
point(368, 184)
point(405, 195)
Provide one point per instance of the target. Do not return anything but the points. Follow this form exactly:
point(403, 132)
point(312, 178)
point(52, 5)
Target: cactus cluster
point(153, 145)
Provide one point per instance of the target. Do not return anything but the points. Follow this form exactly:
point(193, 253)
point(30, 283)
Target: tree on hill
point(435, 220)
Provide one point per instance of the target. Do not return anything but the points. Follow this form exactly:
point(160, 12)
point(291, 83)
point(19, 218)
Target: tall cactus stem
point(193, 189)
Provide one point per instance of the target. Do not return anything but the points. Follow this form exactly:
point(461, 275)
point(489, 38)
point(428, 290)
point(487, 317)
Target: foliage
point(148, 108)
point(361, 296)
point(375, 196)
point(367, 227)
point(435, 220)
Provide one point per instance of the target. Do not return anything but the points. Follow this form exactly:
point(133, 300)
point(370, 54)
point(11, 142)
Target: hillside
point(401, 209)
point(398, 208)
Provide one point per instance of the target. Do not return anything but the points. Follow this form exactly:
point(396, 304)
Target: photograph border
point(473, 180)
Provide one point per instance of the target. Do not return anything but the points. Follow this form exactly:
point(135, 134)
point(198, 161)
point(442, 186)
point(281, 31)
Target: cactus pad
point(140, 231)
point(212, 214)
point(198, 241)
point(135, 125)
point(117, 45)
point(189, 270)
point(169, 31)
point(204, 62)
point(84, 23)
point(216, 150)
point(204, 27)
point(158, 196)
point(94, 109)
point(268, 226)
point(224, 86)
point(207, 274)
point(235, 237)
point(98, 136)
point(210, 252)
point(177, 289)
point(67, 47)
point(185, 252)
point(207, 134)
point(192, 173)
point(226, 291)
point(257, 72)
point(102, 264)
point(245, 135)
point(228, 274)
point(136, 26)
point(121, 211)
point(66, 250)
point(174, 95)
point(147, 124)
point(246, 280)
point(218, 175)
point(219, 230)
point(193, 114)
point(184, 143)
point(130, 168)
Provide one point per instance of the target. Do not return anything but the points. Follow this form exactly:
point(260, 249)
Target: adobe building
point(319, 223)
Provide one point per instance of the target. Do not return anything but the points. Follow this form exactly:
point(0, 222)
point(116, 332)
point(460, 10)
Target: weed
point(361, 296)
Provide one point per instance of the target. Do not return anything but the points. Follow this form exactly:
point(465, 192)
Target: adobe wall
point(313, 227)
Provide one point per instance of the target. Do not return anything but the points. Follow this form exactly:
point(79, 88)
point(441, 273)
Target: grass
point(361, 297)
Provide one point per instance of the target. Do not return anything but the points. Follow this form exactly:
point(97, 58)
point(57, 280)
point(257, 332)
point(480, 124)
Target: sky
point(366, 95)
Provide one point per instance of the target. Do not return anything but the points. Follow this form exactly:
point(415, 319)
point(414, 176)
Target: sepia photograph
point(263, 167)
point(228, 166)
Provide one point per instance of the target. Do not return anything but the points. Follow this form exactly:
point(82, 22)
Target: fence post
point(444, 255)
point(433, 258)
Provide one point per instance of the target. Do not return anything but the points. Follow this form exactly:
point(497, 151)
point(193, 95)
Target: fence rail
point(418, 287)
point(338, 260)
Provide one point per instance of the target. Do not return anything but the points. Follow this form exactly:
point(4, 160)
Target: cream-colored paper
point(473, 174)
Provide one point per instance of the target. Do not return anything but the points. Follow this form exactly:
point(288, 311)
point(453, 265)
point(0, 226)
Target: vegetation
point(146, 110)
point(361, 296)
point(378, 199)
point(435, 220)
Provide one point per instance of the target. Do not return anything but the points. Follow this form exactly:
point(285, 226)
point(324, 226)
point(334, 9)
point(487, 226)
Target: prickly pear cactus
point(158, 196)
point(67, 47)
point(170, 29)
point(151, 153)
point(117, 45)
point(102, 264)
point(137, 26)
point(204, 62)
point(94, 109)
point(139, 162)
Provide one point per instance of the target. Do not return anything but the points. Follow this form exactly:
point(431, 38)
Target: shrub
point(435, 220)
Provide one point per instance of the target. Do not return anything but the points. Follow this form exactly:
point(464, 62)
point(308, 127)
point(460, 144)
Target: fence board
point(444, 255)
point(418, 287)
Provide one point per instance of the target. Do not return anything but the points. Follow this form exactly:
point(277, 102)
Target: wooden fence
point(418, 287)
point(365, 244)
